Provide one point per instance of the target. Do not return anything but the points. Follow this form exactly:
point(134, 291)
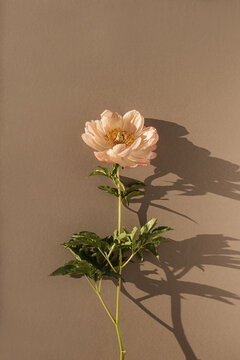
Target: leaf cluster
point(148, 237)
point(97, 257)
point(91, 254)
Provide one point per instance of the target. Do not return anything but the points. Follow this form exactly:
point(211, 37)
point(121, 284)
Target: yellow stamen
point(118, 136)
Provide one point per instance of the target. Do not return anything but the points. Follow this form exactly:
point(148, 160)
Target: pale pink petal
point(108, 156)
point(99, 143)
point(136, 143)
point(123, 150)
point(99, 127)
point(119, 148)
point(129, 164)
point(102, 156)
point(153, 147)
point(95, 127)
point(139, 162)
point(130, 148)
point(139, 153)
point(90, 141)
point(111, 121)
point(153, 155)
point(148, 132)
point(149, 137)
point(92, 129)
point(133, 122)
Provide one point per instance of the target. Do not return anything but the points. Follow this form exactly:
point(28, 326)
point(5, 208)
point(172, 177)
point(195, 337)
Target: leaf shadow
point(178, 258)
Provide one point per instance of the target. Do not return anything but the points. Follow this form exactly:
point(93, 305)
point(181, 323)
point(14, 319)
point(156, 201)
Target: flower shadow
point(197, 172)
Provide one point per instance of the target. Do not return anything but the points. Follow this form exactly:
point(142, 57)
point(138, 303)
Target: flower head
point(122, 140)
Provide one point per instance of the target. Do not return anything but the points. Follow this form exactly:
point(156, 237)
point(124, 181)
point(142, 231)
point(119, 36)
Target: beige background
point(64, 62)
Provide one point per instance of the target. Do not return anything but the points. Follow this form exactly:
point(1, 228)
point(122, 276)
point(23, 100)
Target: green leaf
point(88, 234)
point(125, 230)
point(131, 193)
point(148, 226)
point(140, 256)
point(98, 172)
point(74, 267)
point(104, 169)
point(152, 249)
point(157, 240)
point(82, 241)
point(109, 190)
point(161, 229)
point(124, 237)
point(84, 238)
point(134, 184)
point(134, 232)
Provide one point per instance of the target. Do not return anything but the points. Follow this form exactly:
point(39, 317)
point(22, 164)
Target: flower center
point(118, 136)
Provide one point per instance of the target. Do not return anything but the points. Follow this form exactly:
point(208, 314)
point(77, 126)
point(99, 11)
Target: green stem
point(95, 289)
point(107, 258)
point(99, 285)
point(129, 259)
point(122, 352)
point(111, 250)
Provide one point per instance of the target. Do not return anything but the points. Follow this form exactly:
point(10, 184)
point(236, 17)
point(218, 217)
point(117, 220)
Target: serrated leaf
point(109, 190)
point(84, 238)
point(82, 241)
point(148, 226)
point(74, 267)
point(89, 234)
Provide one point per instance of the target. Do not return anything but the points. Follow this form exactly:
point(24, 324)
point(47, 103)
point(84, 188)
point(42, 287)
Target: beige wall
point(64, 62)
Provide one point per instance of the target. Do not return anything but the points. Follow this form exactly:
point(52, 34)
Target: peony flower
point(122, 140)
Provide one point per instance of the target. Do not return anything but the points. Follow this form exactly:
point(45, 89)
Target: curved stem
point(95, 289)
point(128, 260)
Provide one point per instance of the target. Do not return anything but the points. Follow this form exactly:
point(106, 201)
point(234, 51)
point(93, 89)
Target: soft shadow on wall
point(177, 258)
point(199, 173)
